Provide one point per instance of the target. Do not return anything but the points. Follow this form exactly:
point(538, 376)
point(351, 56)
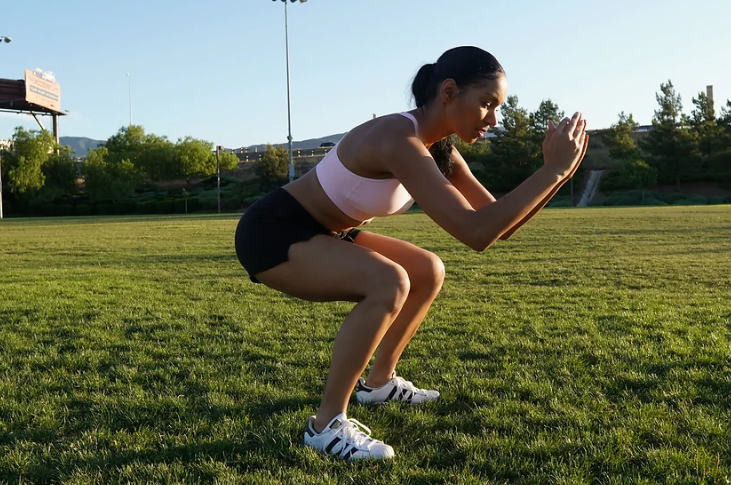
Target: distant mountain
point(79, 144)
point(304, 144)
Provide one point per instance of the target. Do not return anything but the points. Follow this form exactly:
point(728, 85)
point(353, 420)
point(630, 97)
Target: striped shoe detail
point(397, 389)
point(346, 439)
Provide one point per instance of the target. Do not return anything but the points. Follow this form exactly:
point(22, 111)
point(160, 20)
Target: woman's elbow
point(480, 244)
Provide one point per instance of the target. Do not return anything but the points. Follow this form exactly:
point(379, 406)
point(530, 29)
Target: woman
point(301, 239)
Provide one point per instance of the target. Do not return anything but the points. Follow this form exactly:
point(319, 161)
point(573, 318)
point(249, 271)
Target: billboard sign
point(42, 91)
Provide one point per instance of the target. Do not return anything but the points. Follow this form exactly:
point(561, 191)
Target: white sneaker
point(343, 438)
point(397, 389)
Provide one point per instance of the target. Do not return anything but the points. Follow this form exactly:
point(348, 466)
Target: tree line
point(36, 170)
point(677, 148)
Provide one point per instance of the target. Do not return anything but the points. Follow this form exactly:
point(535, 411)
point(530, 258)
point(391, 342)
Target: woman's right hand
point(565, 145)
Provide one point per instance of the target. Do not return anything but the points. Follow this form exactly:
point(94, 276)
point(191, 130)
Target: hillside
point(310, 143)
point(80, 145)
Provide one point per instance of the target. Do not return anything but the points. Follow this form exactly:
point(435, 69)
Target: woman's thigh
point(325, 268)
point(422, 266)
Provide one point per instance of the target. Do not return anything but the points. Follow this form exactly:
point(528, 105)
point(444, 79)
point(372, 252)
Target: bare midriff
point(309, 193)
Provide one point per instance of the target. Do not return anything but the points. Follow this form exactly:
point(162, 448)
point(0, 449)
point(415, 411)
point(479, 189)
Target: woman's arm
point(463, 179)
point(444, 203)
point(506, 235)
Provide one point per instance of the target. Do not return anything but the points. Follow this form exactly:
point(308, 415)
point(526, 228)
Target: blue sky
point(216, 69)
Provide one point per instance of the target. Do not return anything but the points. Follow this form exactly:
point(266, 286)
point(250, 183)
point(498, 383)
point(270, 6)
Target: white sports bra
point(362, 198)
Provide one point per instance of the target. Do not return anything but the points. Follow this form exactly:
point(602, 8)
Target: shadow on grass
point(109, 466)
point(259, 439)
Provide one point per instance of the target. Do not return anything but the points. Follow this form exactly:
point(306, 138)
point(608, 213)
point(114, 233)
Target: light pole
point(1, 183)
point(219, 149)
point(129, 89)
point(289, 97)
point(7, 40)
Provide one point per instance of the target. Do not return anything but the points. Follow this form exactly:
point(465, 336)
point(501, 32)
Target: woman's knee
point(428, 273)
point(389, 286)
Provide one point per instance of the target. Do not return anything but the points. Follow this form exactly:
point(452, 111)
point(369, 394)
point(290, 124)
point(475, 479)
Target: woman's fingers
point(586, 145)
point(572, 126)
point(551, 130)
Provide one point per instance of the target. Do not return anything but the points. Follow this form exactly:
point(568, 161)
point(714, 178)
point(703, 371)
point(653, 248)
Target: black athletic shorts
point(270, 226)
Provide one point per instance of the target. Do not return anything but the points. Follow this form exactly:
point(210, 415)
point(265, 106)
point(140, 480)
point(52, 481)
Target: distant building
point(5, 144)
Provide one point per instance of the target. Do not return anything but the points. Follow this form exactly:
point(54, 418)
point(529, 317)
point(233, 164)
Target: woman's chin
point(467, 139)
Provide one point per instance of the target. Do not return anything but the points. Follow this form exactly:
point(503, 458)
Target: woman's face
point(473, 110)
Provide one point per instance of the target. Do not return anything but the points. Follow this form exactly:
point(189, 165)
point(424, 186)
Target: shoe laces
point(357, 433)
point(408, 385)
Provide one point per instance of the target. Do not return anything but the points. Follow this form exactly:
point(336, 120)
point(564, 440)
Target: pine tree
point(670, 144)
point(704, 126)
point(619, 141)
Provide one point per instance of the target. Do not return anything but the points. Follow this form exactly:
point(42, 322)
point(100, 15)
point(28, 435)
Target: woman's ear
point(448, 90)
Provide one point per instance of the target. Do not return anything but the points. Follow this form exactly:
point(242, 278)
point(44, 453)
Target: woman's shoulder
point(375, 142)
point(383, 129)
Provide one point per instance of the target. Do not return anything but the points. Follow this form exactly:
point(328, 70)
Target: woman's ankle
point(377, 379)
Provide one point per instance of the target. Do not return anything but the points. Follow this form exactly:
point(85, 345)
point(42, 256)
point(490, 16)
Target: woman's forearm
point(487, 224)
point(532, 213)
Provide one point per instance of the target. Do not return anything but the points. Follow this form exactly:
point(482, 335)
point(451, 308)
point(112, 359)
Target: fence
point(246, 155)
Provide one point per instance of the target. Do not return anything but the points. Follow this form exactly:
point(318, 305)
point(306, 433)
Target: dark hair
point(466, 65)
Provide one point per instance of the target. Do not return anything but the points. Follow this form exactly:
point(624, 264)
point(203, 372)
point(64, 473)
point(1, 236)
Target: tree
point(633, 174)
point(724, 124)
point(152, 155)
point(636, 174)
point(619, 140)
point(109, 179)
point(127, 144)
point(670, 144)
point(60, 172)
point(546, 111)
point(720, 163)
point(23, 163)
point(272, 168)
point(194, 158)
point(515, 152)
point(704, 126)
point(473, 152)
point(228, 160)
point(156, 158)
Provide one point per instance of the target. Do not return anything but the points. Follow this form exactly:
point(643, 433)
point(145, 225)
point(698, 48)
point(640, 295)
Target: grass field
point(593, 347)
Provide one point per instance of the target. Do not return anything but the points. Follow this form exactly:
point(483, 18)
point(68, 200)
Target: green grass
point(594, 347)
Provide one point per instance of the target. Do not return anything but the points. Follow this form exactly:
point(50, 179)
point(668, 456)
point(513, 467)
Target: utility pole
point(219, 149)
point(7, 41)
point(1, 183)
point(129, 90)
point(289, 96)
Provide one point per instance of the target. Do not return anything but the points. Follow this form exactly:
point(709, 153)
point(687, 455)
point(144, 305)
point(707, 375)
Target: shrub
point(146, 207)
point(124, 207)
point(670, 197)
point(63, 210)
point(103, 209)
point(653, 201)
point(82, 210)
point(716, 199)
point(208, 204)
point(166, 206)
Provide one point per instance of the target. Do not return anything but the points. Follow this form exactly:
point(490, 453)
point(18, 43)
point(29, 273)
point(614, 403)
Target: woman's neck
point(431, 125)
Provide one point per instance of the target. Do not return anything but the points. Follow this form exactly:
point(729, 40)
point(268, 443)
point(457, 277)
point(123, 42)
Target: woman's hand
point(565, 145)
